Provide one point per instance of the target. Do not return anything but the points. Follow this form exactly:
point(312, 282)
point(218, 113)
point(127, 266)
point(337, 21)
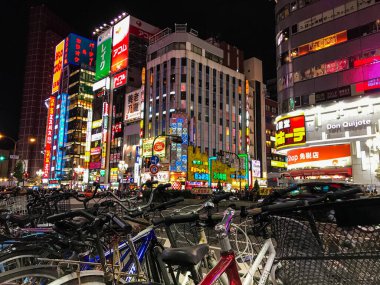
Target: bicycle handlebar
point(177, 219)
point(216, 199)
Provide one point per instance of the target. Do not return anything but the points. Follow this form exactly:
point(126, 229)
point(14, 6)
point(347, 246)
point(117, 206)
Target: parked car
point(315, 189)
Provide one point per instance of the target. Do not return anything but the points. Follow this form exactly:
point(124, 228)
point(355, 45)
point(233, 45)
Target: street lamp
point(15, 142)
point(174, 138)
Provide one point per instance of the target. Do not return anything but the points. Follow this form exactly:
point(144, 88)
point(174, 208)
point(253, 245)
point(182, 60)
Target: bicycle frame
point(227, 263)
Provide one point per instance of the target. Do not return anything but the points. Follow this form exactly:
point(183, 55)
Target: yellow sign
point(97, 124)
point(276, 163)
point(113, 176)
point(58, 64)
point(158, 149)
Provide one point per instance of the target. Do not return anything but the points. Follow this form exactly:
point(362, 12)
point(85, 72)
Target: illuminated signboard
point(58, 64)
point(220, 176)
point(49, 137)
point(201, 176)
point(132, 106)
point(113, 174)
point(120, 79)
point(61, 130)
point(290, 131)
point(178, 151)
point(79, 50)
point(159, 147)
point(367, 60)
point(276, 163)
point(320, 157)
point(97, 124)
point(120, 45)
point(103, 54)
point(322, 43)
point(256, 168)
point(368, 85)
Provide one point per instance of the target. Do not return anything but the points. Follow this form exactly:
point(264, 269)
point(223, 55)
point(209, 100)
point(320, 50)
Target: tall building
point(192, 92)
point(68, 131)
point(121, 58)
point(328, 88)
point(255, 88)
point(46, 30)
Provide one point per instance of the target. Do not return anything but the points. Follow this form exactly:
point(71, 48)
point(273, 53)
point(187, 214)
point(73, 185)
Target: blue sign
point(131, 180)
point(61, 130)
point(154, 159)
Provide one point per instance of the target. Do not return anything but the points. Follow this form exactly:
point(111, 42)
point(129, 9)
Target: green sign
point(103, 55)
point(102, 172)
point(220, 176)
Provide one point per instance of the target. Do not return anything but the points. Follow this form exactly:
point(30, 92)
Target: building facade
point(327, 57)
point(191, 92)
point(46, 30)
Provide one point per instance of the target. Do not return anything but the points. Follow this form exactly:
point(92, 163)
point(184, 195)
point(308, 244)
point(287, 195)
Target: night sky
point(241, 25)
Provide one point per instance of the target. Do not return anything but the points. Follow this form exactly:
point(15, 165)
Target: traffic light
point(2, 158)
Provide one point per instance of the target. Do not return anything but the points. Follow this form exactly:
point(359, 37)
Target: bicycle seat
point(185, 256)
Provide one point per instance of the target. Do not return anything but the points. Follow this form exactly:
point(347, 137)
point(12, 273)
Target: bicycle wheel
point(88, 277)
point(22, 258)
point(30, 275)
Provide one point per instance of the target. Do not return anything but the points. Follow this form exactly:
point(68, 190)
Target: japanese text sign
point(103, 54)
point(58, 64)
point(290, 131)
point(49, 136)
point(79, 50)
point(120, 45)
point(120, 79)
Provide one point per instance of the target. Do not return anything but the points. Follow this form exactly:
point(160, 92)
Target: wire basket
point(321, 245)
point(14, 204)
point(60, 205)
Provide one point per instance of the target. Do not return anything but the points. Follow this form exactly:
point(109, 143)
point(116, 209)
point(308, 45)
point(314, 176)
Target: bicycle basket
point(313, 248)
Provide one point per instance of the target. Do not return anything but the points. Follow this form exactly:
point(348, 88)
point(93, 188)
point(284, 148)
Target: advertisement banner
point(159, 147)
point(318, 157)
point(103, 54)
point(256, 168)
point(61, 130)
point(120, 45)
point(58, 64)
point(49, 137)
point(290, 131)
point(120, 79)
point(132, 107)
point(79, 50)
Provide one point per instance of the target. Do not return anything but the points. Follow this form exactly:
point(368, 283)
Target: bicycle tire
point(22, 258)
point(45, 272)
point(87, 277)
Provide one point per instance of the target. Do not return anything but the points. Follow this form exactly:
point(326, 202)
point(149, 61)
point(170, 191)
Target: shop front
point(339, 141)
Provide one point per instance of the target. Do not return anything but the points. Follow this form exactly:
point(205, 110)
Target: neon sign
point(49, 137)
point(290, 131)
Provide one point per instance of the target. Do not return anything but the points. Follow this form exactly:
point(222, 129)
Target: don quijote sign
point(349, 124)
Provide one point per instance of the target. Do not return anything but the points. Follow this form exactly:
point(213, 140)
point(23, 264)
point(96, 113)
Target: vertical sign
point(120, 45)
point(178, 151)
point(103, 54)
point(61, 131)
point(79, 50)
point(58, 64)
point(49, 136)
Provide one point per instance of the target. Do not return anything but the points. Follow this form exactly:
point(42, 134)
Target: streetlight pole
point(174, 138)
point(15, 142)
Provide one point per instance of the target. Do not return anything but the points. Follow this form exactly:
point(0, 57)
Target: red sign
point(176, 185)
point(120, 79)
point(368, 85)
point(120, 45)
point(159, 146)
point(153, 169)
point(367, 60)
point(290, 131)
point(49, 137)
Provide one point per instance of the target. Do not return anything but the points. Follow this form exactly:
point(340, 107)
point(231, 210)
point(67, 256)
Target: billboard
point(132, 107)
point(58, 64)
point(61, 129)
point(120, 79)
point(178, 151)
point(317, 157)
point(120, 45)
point(103, 54)
point(290, 131)
point(159, 147)
point(79, 50)
point(49, 137)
